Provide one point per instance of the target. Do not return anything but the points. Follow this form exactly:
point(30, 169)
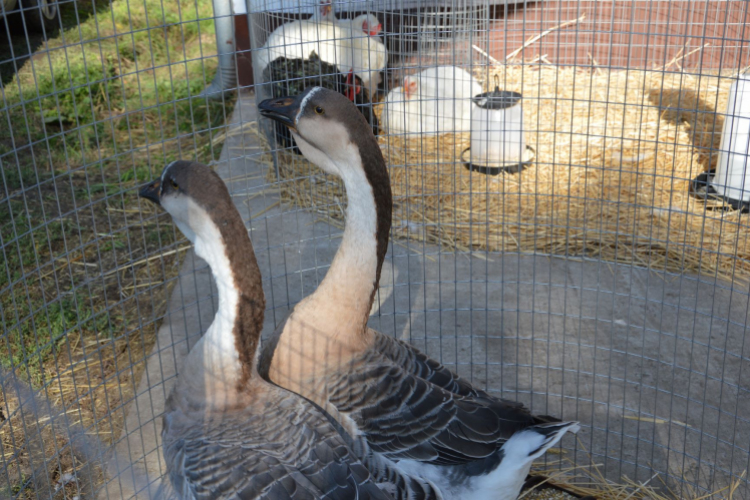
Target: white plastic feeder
point(497, 140)
point(731, 179)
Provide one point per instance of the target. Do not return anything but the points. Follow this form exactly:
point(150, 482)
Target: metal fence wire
point(589, 258)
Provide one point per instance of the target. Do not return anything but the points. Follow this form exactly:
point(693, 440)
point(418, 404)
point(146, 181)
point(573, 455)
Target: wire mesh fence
point(595, 268)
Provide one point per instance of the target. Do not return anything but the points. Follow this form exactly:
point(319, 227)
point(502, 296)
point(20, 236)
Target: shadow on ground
point(18, 43)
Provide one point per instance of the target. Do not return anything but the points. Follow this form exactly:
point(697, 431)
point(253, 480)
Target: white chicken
point(298, 39)
point(405, 114)
point(350, 44)
point(366, 23)
point(447, 81)
point(361, 51)
point(435, 101)
point(368, 54)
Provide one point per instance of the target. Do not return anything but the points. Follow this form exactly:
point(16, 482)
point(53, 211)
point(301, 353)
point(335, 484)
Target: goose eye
point(175, 185)
point(319, 110)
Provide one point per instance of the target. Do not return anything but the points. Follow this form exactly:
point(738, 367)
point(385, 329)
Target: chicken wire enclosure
point(602, 283)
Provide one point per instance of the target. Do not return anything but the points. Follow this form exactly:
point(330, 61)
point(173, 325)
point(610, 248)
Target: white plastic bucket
point(497, 129)
point(732, 178)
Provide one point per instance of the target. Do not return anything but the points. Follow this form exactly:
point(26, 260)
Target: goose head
point(333, 134)
point(195, 197)
point(330, 132)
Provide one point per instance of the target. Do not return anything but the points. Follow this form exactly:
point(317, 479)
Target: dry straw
point(588, 481)
point(615, 153)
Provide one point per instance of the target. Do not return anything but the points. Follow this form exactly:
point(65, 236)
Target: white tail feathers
point(532, 442)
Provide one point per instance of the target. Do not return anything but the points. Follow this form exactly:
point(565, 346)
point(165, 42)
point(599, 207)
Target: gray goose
point(227, 432)
point(412, 411)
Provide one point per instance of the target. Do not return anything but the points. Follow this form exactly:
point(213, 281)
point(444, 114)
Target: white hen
point(435, 101)
point(351, 44)
point(447, 81)
point(404, 115)
point(298, 39)
point(361, 50)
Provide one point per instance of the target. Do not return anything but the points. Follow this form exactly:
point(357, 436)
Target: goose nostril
point(280, 103)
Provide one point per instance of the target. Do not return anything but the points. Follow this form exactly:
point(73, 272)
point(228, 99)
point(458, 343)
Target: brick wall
point(635, 33)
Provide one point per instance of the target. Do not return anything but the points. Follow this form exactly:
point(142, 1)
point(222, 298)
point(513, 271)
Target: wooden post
point(244, 61)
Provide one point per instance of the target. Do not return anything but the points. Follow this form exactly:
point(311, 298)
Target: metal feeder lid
point(497, 99)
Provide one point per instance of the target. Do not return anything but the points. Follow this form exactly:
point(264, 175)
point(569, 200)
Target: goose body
point(227, 432)
point(411, 410)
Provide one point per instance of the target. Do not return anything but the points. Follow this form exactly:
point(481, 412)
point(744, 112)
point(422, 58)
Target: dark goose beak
point(151, 191)
point(282, 109)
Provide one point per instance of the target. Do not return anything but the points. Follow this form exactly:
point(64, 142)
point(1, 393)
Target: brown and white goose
point(410, 409)
point(227, 432)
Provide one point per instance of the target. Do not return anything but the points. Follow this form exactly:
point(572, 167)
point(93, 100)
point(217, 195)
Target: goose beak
point(151, 192)
point(282, 109)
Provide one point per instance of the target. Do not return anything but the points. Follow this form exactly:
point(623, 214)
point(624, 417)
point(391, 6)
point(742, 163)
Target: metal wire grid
point(574, 337)
point(101, 106)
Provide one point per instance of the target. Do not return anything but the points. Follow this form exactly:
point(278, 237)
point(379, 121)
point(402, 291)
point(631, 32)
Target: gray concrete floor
point(653, 365)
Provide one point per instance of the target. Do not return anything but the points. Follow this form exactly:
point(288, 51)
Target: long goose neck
point(231, 342)
point(351, 282)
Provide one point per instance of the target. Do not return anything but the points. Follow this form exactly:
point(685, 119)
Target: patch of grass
point(124, 80)
point(87, 120)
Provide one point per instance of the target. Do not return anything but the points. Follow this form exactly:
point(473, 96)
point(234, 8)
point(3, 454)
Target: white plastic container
point(732, 177)
point(497, 128)
point(497, 139)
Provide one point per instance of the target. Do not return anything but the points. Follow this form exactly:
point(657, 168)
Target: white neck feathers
point(213, 363)
point(346, 291)
point(219, 349)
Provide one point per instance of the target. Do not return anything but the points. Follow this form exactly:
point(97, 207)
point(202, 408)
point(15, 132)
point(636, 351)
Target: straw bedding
point(615, 152)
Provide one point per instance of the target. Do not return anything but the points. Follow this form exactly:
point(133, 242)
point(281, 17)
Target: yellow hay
point(615, 152)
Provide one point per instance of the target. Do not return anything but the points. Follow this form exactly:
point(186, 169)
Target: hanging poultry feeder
point(497, 141)
point(730, 180)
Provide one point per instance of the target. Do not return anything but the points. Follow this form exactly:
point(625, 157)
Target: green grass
point(95, 113)
point(85, 266)
point(120, 81)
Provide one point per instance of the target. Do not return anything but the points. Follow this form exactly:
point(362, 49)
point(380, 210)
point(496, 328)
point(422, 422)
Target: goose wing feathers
point(289, 452)
point(418, 364)
point(406, 416)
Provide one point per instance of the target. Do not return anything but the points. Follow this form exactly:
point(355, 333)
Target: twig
point(233, 132)
point(142, 285)
point(537, 59)
point(485, 54)
point(538, 37)
point(146, 261)
point(713, 493)
point(641, 486)
point(56, 269)
point(269, 207)
point(736, 484)
point(676, 59)
point(656, 420)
